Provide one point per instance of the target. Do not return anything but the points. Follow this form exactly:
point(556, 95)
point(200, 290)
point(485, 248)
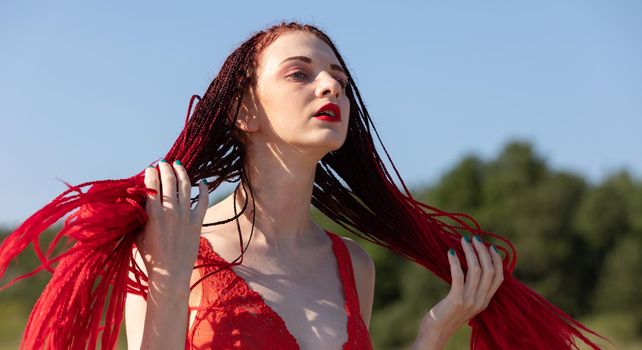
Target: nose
point(328, 85)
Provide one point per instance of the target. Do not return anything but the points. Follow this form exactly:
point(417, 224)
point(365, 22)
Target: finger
point(488, 270)
point(498, 278)
point(152, 201)
point(457, 275)
point(184, 187)
point(474, 271)
point(168, 185)
point(203, 201)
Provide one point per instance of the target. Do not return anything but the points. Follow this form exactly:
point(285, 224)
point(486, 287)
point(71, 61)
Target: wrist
point(432, 341)
point(175, 274)
point(431, 337)
point(169, 283)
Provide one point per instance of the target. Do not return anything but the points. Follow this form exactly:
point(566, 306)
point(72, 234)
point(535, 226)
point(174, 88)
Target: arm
point(166, 317)
point(161, 321)
point(167, 249)
point(431, 338)
point(135, 309)
point(469, 294)
point(364, 276)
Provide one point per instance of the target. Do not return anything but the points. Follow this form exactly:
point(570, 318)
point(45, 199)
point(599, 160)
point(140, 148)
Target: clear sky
point(95, 90)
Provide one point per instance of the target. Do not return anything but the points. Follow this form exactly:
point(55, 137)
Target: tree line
point(578, 245)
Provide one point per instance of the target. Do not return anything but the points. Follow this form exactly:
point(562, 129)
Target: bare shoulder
point(359, 255)
point(364, 277)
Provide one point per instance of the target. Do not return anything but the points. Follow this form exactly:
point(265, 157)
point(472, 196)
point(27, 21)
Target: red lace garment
point(234, 316)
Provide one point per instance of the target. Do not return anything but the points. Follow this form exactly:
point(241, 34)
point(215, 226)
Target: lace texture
point(234, 316)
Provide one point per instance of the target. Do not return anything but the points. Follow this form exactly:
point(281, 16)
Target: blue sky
point(96, 90)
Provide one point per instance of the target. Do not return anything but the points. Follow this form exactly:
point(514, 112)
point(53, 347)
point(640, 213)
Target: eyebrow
point(309, 60)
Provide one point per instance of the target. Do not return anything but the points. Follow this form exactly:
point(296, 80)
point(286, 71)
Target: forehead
point(297, 43)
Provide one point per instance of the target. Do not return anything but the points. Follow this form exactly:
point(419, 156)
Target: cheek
point(345, 109)
point(285, 119)
point(286, 107)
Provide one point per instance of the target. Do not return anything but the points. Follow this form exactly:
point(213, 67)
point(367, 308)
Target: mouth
point(330, 112)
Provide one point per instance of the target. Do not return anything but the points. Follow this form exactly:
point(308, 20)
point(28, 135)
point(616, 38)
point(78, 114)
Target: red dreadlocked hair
point(352, 187)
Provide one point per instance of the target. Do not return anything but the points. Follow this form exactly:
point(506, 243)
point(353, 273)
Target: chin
point(333, 144)
point(325, 144)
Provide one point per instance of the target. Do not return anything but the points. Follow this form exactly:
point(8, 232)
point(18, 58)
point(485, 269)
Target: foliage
point(579, 245)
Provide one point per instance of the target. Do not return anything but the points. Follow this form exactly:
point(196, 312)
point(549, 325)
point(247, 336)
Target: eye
point(302, 75)
point(343, 82)
point(296, 73)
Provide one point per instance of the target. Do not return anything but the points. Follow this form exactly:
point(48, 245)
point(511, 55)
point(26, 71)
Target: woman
point(298, 77)
point(285, 119)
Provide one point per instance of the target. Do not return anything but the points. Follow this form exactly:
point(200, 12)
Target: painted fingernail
point(495, 249)
point(451, 251)
point(478, 238)
point(205, 181)
point(178, 162)
point(151, 166)
point(466, 239)
point(163, 160)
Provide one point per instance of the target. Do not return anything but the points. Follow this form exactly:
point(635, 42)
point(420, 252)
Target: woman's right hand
point(169, 243)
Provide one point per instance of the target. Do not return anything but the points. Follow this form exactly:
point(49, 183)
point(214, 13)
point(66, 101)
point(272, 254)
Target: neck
point(282, 190)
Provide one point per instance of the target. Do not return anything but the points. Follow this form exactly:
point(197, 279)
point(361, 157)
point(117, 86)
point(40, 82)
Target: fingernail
point(178, 162)
point(451, 251)
point(495, 249)
point(163, 160)
point(466, 239)
point(478, 238)
point(151, 166)
point(205, 181)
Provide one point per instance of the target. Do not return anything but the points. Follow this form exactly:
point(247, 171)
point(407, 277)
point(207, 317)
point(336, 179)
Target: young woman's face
point(297, 75)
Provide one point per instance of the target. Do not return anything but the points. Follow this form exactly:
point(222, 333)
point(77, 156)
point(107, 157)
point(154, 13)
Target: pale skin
point(286, 143)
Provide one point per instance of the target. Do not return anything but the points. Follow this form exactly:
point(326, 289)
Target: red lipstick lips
point(330, 112)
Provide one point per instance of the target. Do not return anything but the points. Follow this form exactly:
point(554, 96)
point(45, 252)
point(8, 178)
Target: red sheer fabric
point(233, 316)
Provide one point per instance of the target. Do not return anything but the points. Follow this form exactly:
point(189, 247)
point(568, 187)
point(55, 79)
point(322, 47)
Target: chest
point(307, 296)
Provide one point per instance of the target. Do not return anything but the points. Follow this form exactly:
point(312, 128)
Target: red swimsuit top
point(234, 316)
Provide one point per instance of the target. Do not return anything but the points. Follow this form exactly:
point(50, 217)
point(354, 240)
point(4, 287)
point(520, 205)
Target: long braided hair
point(352, 186)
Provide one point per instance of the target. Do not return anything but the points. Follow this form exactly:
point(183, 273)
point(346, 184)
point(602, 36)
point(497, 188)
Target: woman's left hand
point(466, 299)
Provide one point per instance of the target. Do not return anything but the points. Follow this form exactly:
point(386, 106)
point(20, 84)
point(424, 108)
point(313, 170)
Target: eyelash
point(342, 82)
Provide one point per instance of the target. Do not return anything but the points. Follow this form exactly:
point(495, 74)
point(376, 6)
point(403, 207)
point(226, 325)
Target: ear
point(248, 119)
